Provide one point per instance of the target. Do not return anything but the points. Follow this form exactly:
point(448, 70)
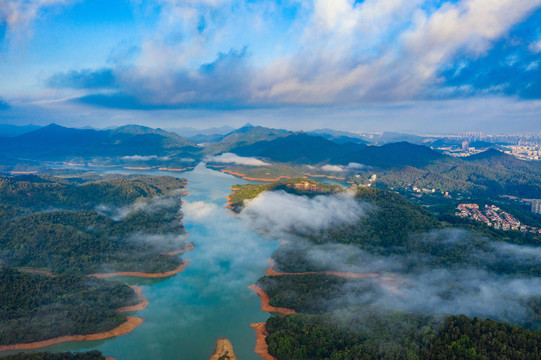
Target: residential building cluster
point(524, 152)
point(495, 217)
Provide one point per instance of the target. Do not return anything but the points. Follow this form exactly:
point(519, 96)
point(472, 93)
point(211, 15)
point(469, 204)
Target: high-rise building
point(536, 206)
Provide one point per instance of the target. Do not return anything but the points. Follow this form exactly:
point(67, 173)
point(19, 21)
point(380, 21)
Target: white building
point(536, 206)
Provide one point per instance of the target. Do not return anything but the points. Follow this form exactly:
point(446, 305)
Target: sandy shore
point(103, 166)
point(22, 172)
point(267, 180)
point(224, 351)
point(243, 176)
point(265, 302)
point(125, 328)
point(261, 347)
point(140, 167)
point(45, 272)
point(143, 275)
point(189, 247)
point(228, 203)
point(170, 169)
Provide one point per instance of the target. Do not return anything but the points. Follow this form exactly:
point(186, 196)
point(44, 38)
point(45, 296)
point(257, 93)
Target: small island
point(224, 350)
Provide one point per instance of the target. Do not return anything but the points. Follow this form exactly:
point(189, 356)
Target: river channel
point(188, 312)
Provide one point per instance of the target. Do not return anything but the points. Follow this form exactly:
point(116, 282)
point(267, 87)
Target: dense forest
point(43, 192)
point(39, 307)
point(91, 355)
point(311, 293)
point(68, 224)
point(373, 334)
point(485, 175)
point(121, 224)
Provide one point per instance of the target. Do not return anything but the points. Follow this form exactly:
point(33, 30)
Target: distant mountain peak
point(53, 126)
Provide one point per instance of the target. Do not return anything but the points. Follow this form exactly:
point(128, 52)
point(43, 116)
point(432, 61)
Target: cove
point(210, 299)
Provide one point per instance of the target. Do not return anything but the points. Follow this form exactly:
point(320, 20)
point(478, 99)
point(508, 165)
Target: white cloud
point(354, 165)
point(469, 25)
point(337, 51)
point(145, 157)
point(198, 210)
point(19, 14)
point(146, 205)
point(335, 168)
point(230, 158)
point(333, 51)
point(535, 47)
point(340, 168)
point(279, 211)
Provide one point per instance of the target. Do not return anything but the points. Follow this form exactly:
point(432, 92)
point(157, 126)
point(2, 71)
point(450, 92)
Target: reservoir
point(188, 312)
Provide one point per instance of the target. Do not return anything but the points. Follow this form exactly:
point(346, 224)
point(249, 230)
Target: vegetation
point(484, 175)
point(250, 191)
point(85, 241)
point(39, 307)
point(311, 293)
point(356, 334)
point(43, 192)
point(390, 221)
point(371, 334)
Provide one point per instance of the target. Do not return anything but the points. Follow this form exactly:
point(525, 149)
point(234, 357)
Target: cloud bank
point(483, 285)
point(335, 52)
point(281, 212)
point(230, 158)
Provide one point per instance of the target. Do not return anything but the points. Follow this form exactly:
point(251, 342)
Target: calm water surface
point(188, 312)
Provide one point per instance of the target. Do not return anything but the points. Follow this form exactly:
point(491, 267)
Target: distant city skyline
point(421, 66)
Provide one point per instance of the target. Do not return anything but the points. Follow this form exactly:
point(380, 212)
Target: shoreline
point(189, 247)
point(224, 350)
point(326, 176)
point(143, 302)
point(265, 302)
point(228, 204)
point(261, 347)
point(387, 283)
point(271, 272)
point(243, 176)
point(125, 328)
point(143, 275)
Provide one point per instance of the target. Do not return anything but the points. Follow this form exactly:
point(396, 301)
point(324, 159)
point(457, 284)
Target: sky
point(425, 66)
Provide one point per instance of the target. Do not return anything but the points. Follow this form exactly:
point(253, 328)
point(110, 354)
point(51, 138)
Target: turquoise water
point(188, 312)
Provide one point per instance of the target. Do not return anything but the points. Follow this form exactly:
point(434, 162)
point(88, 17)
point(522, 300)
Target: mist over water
point(188, 312)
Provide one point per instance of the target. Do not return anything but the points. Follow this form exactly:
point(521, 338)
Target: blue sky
point(372, 65)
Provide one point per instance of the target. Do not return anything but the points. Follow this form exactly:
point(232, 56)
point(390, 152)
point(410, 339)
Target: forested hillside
point(380, 287)
point(39, 307)
point(63, 226)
